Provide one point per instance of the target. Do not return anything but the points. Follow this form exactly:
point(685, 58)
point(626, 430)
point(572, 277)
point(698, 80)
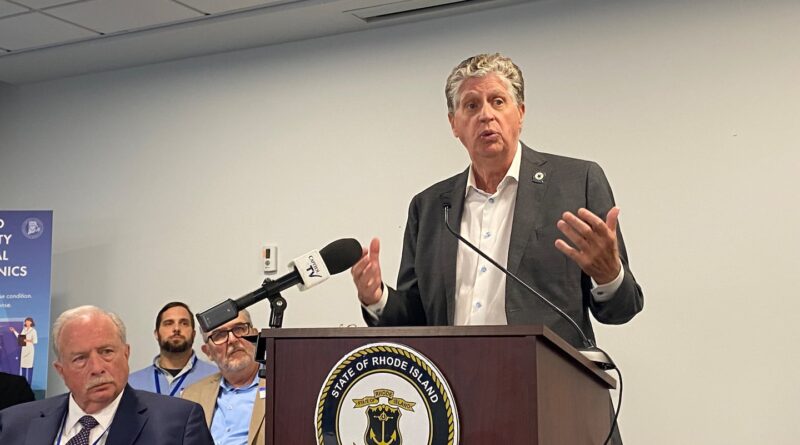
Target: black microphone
point(590, 351)
point(307, 271)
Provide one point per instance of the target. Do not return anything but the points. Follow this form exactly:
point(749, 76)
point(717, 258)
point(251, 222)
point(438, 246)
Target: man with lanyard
point(92, 353)
point(232, 399)
point(177, 366)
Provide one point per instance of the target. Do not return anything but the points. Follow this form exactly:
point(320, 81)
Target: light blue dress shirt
point(232, 413)
point(155, 379)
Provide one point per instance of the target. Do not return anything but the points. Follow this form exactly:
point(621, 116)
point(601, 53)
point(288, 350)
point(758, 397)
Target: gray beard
point(233, 366)
point(228, 367)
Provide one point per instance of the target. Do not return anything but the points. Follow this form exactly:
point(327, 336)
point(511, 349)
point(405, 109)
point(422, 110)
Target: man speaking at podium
point(549, 219)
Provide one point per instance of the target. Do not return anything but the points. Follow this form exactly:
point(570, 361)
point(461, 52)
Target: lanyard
point(63, 425)
point(177, 385)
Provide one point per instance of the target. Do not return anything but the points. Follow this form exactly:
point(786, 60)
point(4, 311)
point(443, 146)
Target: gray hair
point(244, 312)
point(482, 65)
point(83, 311)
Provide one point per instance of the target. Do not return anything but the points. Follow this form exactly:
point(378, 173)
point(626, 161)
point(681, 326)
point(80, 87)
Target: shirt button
point(491, 200)
point(487, 234)
point(478, 305)
point(483, 269)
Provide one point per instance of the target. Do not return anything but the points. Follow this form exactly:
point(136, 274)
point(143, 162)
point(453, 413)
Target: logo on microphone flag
point(312, 269)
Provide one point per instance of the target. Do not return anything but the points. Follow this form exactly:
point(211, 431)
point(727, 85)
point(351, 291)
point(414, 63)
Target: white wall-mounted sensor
point(269, 255)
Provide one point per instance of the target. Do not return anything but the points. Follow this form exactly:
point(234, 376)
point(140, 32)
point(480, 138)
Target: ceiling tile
point(109, 16)
point(34, 29)
point(7, 8)
point(217, 6)
point(39, 4)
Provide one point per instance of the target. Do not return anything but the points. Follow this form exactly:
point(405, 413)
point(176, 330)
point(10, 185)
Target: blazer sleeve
point(629, 299)
point(196, 432)
point(404, 305)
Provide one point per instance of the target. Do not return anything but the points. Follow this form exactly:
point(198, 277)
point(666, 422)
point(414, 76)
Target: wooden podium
point(511, 384)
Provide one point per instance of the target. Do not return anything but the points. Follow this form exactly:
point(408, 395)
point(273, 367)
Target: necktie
point(82, 438)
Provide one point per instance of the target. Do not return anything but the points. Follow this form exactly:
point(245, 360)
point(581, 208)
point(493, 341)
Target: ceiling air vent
point(407, 8)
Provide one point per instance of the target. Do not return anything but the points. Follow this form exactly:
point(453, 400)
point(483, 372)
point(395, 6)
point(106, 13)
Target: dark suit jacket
point(142, 418)
point(14, 389)
point(426, 291)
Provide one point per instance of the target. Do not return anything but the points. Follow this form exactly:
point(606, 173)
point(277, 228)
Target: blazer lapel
point(448, 244)
point(44, 428)
point(128, 420)
point(257, 418)
point(208, 397)
point(534, 178)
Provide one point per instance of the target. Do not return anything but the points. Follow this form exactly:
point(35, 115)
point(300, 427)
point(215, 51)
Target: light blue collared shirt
point(155, 379)
point(231, 422)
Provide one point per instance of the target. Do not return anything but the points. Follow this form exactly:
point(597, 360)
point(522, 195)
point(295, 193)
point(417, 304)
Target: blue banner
point(26, 240)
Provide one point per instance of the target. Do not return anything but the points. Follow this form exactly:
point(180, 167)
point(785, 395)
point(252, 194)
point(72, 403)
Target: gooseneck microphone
point(589, 350)
point(308, 270)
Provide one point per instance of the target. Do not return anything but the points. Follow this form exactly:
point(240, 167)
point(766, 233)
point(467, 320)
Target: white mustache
point(97, 381)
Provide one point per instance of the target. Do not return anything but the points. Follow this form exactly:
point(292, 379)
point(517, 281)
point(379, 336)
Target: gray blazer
point(425, 293)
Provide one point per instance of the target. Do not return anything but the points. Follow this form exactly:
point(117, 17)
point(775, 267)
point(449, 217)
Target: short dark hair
point(171, 305)
point(33, 323)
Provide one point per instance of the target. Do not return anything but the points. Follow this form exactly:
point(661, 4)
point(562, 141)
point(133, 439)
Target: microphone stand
point(277, 305)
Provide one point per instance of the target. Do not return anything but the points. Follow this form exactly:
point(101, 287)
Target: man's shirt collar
point(186, 368)
point(104, 417)
point(511, 174)
point(223, 383)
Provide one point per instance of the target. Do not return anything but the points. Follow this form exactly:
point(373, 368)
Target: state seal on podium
point(386, 394)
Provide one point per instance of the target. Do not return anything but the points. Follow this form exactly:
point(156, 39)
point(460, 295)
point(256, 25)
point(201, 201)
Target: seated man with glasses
point(233, 399)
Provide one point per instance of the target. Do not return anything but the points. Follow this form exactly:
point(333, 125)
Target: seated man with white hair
point(92, 358)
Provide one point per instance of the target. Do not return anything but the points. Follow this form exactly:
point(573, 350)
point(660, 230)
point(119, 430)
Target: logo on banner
point(386, 394)
point(32, 228)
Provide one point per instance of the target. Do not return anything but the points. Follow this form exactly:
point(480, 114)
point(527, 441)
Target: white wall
point(166, 179)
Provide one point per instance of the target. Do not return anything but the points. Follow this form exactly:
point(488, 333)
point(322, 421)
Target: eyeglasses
point(221, 337)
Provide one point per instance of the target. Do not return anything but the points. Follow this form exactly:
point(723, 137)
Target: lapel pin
point(538, 177)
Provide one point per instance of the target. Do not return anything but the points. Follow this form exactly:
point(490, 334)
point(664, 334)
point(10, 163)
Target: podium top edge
point(411, 331)
point(540, 331)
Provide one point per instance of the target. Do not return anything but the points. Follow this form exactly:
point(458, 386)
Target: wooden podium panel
point(511, 384)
